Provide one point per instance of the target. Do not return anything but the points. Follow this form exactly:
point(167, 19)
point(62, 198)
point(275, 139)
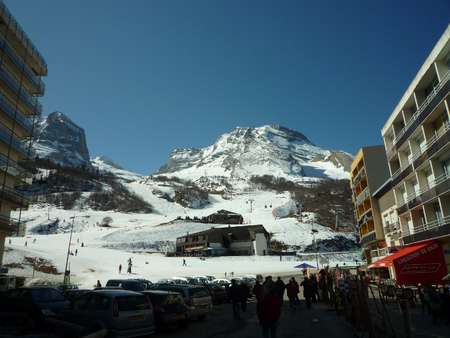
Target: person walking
point(307, 291)
point(76, 252)
point(184, 262)
point(269, 312)
point(235, 298)
point(120, 269)
point(315, 289)
point(130, 264)
point(258, 291)
point(244, 293)
point(280, 287)
point(292, 293)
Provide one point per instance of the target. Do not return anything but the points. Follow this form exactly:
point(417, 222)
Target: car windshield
point(132, 303)
point(199, 292)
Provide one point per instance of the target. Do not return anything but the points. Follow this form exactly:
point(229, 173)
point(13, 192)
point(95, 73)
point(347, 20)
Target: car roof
point(161, 292)
point(117, 292)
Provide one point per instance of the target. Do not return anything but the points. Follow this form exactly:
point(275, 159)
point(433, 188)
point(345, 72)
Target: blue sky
point(144, 76)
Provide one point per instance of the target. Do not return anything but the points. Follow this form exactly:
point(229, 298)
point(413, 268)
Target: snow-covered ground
point(94, 262)
point(139, 235)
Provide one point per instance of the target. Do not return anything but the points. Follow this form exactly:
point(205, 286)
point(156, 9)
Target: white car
point(221, 282)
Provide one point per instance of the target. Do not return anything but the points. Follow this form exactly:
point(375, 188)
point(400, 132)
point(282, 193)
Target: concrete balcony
point(368, 238)
point(11, 226)
point(24, 121)
point(436, 95)
point(31, 102)
point(15, 197)
point(9, 138)
point(426, 231)
point(34, 80)
point(11, 167)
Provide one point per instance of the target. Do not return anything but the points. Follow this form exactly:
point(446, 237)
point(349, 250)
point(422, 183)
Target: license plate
point(180, 317)
point(134, 318)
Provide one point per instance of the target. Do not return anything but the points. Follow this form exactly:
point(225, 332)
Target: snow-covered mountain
point(61, 141)
point(267, 150)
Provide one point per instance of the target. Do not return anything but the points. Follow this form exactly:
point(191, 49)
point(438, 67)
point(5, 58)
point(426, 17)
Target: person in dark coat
point(244, 292)
point(280, 287)
point(292, 291)
point(235, 298)
point(258, 291)
point(307, 291)
point(315, 289)
point(269, 312)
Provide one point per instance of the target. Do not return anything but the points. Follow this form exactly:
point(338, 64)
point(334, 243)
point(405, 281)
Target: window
point(97, 303)
point(132, 303)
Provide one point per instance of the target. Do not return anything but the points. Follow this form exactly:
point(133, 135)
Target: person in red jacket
point(269, 312)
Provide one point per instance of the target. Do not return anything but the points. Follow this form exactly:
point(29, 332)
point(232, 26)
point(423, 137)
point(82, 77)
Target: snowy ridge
point(267, 150)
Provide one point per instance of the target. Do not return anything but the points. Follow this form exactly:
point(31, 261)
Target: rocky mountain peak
point(61, 141)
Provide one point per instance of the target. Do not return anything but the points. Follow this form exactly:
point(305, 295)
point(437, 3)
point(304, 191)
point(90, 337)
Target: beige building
point(417, 142)
point(369, 172)
point(21, 68)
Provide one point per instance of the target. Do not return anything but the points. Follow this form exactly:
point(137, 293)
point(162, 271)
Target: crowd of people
point(269, 295)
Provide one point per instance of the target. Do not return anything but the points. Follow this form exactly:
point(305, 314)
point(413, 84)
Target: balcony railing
point(438, 180)
point(379, 253)
point(22, 120)
point(15, 87)
point(391, 227)
point(16, 144)
point(9, 224)
point(20, 64)
point(361, 197)
point(426, 226)
point(11, 166)
point(422, 107)
point(431, 141)
point(15, 196)
point(21, 35)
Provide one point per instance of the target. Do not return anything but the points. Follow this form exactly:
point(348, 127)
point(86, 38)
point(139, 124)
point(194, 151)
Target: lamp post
point(67, 272)
point(313, 233)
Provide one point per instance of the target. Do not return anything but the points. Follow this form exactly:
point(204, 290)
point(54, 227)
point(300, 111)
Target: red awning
point(420, 263)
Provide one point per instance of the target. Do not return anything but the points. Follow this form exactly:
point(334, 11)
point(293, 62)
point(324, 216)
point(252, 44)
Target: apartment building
point(417, 143)
point(369, 171)
point(21, 69)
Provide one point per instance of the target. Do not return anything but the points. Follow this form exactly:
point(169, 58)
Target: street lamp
point(313, 233)
point(67, 272)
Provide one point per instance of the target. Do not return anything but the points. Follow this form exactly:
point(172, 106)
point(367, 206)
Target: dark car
point(123, 313)
point(137, 285)
point(197, 298)
point(169, 308)
point(33, 304)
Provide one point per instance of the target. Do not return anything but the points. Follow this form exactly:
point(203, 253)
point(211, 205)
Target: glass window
point(132, 303)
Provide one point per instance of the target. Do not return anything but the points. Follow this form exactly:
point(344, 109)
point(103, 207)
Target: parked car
point(72, 294)
point(33, 304)
point(179, 280)
point(123, 313)
point(218, 293)
point(169, 308)
point(197, 298)
point(222, 282)
point(129, 284)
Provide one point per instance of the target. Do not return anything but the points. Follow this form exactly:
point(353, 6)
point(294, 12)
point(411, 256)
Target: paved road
point(317, 322)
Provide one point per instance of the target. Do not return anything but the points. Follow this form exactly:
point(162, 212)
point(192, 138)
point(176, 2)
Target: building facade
point(21, 69)
point(369, 171)
point(417, 143)
point(225, 240)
